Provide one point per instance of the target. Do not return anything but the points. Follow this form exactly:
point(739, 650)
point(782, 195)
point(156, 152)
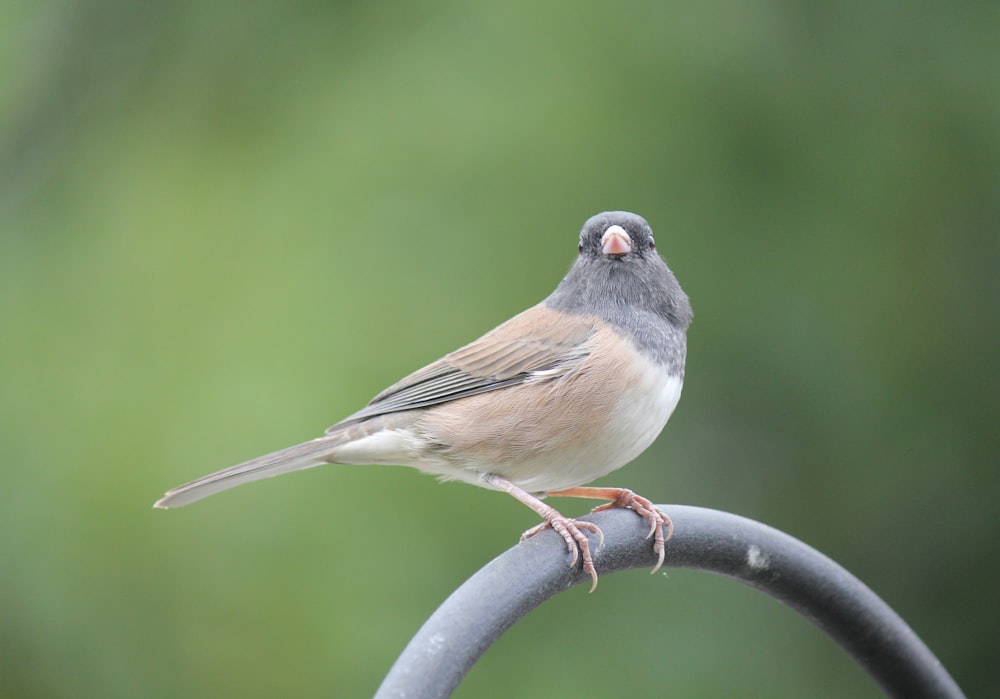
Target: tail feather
point(301, 456)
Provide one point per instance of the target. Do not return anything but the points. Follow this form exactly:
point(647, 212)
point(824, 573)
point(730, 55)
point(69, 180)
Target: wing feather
point(522, 349)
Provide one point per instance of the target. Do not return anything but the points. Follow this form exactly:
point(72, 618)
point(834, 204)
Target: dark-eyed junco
point(561, 394)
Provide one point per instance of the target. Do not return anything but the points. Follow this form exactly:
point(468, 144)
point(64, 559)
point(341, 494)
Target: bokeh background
point(224, 226)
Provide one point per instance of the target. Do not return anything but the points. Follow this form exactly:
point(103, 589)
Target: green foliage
point(225, 226)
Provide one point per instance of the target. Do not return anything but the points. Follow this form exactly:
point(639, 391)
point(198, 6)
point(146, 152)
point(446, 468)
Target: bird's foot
point(577, 543)
point(660, 526)
point(571, 530)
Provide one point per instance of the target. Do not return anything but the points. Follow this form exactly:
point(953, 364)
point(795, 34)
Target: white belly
point(629, 432)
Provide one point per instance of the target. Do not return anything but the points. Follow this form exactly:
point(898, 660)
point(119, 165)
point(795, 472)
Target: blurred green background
point(224, 226)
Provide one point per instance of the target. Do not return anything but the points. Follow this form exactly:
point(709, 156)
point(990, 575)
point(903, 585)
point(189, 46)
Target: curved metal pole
point(523, 577)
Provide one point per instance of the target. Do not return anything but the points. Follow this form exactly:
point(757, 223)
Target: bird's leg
point(571, 530)
point(623, 497)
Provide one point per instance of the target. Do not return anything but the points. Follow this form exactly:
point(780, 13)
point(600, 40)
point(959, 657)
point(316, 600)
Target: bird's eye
point(579, 247)
point(652, 243)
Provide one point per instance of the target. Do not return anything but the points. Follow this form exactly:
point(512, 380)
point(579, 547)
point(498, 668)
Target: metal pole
point(517, 581)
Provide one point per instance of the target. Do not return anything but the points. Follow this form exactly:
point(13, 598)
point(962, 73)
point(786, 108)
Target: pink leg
point(571, 530)
point(623, 497)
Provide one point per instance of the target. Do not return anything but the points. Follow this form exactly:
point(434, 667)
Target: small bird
point(559, 395)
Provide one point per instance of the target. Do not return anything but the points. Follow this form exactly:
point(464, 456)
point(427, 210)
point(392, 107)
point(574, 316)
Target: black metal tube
point(514, 583)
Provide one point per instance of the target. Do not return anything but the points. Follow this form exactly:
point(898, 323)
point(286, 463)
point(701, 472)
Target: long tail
point(301, 456)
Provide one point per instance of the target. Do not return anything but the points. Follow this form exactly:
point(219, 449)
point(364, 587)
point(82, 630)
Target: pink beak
point(616, 242)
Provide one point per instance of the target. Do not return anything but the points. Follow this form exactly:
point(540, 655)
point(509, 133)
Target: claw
point(577, 543)
point(660, 526)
